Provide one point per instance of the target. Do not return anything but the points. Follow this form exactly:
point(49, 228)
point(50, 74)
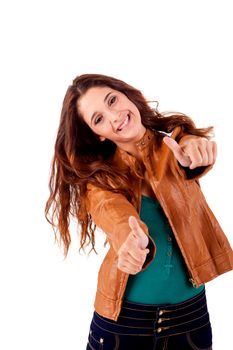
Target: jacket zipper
point(192, 281)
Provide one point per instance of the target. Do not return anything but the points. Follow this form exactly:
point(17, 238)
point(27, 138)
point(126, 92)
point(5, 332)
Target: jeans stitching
point(152, 319)
point(180, 324)
point(193, 329)
point(181, 308)
point(137, 318)
point(150, 328)
point(164, 306)
point(117, 342)
point(165, 344)
point(89, 344)
point(91, 336)
point(129, 308)
point(195, 300)
point(106, 330)
point(123, 325)
point(189, 313)
point(191, 343)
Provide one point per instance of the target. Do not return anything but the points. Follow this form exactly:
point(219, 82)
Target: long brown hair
point(80, 157)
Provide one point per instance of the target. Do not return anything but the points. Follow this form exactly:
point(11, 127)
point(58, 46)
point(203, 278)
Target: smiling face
point(111, 115)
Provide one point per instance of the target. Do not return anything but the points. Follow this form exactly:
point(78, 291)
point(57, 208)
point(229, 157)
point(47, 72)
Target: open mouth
point(125, 122)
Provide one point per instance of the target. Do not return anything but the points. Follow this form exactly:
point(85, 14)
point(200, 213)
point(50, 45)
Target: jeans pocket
point(102, 340)
point(201, 338)
point(95, 342)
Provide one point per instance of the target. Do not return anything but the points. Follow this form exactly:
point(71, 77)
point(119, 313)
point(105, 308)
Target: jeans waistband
point(162, 319)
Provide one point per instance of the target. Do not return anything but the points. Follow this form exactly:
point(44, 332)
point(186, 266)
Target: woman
point(133, 172)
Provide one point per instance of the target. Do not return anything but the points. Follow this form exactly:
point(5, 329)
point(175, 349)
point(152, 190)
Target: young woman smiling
point(134, 173)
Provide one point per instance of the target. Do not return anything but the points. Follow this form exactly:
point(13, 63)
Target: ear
point(102, 138)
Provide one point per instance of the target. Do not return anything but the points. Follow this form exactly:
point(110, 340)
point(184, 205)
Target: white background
point(176, 52)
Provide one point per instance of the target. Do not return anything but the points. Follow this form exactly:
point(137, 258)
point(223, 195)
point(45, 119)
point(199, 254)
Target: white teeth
point(125, 122)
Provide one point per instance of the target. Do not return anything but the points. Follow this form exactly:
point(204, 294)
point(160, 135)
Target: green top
point(166, 279)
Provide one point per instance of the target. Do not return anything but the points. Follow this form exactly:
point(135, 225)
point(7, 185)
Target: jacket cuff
point(194, 174)
point(150, 256)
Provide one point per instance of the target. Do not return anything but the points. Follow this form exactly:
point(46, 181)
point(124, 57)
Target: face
point(111, 115)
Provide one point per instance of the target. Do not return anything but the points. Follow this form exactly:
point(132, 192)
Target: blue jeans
point(181, 326)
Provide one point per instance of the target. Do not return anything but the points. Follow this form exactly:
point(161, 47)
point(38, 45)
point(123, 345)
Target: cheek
point(135, 111)
point(103, 130)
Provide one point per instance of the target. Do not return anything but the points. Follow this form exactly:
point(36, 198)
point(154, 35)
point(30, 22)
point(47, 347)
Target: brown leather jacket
point(203, 244)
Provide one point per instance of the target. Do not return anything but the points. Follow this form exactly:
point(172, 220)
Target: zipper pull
point(193, 282)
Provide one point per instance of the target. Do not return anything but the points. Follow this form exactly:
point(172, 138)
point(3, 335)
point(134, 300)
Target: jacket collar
point(145, 140)
point(142, 145)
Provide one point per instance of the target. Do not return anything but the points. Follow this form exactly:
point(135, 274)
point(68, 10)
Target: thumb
point(134, 225)
point(177, 151)
point(138, 231)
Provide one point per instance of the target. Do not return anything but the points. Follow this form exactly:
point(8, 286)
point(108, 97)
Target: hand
point(194, 151)
point(132, 254)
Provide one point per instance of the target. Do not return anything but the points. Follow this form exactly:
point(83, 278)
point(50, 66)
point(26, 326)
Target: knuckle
point(120, 254)
point(204, 141)
point(129, 238)
point(193, 143)
point(214, 143)
point(121, 259)
point(197, 163)
point(135, 271)
point(143, 258)
point(119, 265)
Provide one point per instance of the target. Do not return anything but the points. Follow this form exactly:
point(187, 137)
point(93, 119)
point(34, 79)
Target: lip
point(122, 123)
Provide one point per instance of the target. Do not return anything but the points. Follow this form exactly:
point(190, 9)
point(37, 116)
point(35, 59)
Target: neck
point(131, 147)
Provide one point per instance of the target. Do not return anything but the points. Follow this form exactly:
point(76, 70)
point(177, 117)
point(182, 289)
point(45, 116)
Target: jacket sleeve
point(186, 172)
point(110, 212)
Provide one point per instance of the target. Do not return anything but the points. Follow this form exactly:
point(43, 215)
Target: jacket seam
point(212, 259)
point(113, 300)
point(106, 297)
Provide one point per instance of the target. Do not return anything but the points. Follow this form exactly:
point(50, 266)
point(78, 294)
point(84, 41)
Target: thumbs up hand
point(132, 254)
point(194, 151)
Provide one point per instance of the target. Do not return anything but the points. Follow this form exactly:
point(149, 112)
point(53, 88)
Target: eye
point(112, 100)
point(98, 119)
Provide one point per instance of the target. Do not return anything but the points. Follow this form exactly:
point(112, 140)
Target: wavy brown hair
point(80, 157)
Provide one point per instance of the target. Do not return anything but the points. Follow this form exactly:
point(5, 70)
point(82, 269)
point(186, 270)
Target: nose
point(115, 117)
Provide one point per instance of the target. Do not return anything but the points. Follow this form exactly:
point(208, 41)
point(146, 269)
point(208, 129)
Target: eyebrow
point(105, 99)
